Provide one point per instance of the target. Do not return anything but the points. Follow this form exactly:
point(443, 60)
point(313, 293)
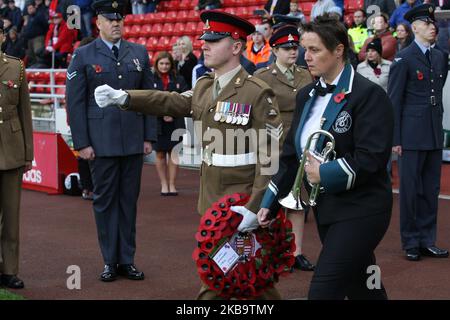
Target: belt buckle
point(433, 100)
point(207, 157)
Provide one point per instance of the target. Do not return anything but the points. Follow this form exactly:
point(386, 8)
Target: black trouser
point(85, 174)
point(347, 252)
point(420, 177)
point(117, 182)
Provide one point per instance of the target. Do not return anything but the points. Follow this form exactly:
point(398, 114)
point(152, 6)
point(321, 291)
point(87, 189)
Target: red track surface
point(59, 231)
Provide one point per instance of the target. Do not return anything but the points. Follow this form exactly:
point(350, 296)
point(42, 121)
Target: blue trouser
point(117, 182)
point(420, 174)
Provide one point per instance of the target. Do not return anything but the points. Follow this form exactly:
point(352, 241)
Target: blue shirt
point(398, 15)
point(421, 46)
point(110, 44)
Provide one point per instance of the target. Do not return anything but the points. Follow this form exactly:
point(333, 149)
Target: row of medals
point(232, 112)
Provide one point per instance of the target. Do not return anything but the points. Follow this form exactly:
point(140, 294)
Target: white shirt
point(316, 111)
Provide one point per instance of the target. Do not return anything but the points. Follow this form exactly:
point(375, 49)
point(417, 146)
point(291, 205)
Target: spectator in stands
point(386, 6)
point(397, 15)
point(258, 48)
point(20, 4)
point(150, 5)
point(15, 15)
point(41, 7)
point(266, 28)
point(166, 78)
point(4, 9)
point(404, 36)
point(62, 7)
point(188, 60)
point(359, 32)
point(389, 43)
point(375, 68)
point(276, 6)
point(86, 17)
point(34, 32)
point(443, 25)
point(7, 25)
point(137, 6)
point(208, 4)
point(59, 40)
point(296, 12)
point(14, 45)
point(352, 55)
point(321, 7)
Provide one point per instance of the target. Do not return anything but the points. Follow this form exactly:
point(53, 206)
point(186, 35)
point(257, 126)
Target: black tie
point(321, 91)
point(427, 54)
point(115, 51)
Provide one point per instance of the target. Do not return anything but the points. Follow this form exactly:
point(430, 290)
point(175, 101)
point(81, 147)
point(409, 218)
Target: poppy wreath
point(252, 274)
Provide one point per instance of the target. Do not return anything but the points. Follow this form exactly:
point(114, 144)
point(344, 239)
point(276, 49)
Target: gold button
point(120, 76)
point(191, 112)
point(295, 90)
point(118, 63)
point(211, 110)
point(1, 109)
point(1, 121)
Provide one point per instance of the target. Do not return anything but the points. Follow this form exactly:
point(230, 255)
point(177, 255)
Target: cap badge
point(207, 26)
point(430, 9)
point(290, 37)
point(115, 4)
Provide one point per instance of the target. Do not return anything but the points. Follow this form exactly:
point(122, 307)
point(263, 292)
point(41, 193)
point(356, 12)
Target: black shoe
point(302, 263)
point(129, 271)
point(434, 252)
point(413, 254)
point(109, 273)
point(11, 281)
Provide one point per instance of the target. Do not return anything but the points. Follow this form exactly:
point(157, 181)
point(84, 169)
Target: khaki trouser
point(10, 190)
point(208, 294)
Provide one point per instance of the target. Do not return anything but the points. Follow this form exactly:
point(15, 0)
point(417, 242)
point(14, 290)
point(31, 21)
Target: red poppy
point(249, 277)
point(377, 71)
point(419, 75)
point(97, 68)
point(339, 97)
point(10, 84)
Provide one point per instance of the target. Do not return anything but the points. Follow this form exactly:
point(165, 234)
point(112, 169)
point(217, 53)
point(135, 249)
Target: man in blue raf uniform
point(415, 86)
point(114, 140)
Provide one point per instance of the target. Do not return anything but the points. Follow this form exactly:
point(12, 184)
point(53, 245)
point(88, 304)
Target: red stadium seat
point(163, 44)
point(172, 41)
point(126, 31)
point(186, 5)
point(200, 26)
point(139, 19)
point(150, 18)
point(156, 30)
point(132, 40)
point(167, 29)
point(353, 5)
point(135, 31)
point(142, 40)
point(159, 17)
point(191, 28)
point(183, 16)
point(151, 44)
point(60, 77)
point(197, 44)
point(193, 16)
point(146, 30)
point(230, 10)
point(179, 28)
point(172, 16)
point(243, 12)
point(129, 18)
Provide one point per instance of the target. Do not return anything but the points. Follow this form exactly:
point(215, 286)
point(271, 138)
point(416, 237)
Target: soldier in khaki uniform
point(286, 79)
point(223, 102)
point(16, 156)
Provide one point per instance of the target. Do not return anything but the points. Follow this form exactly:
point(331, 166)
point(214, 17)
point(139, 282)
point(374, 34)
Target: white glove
point(107, 96)
point(249, 221)
point(49, 49)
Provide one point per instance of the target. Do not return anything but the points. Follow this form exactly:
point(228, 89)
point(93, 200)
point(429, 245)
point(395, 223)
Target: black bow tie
point(321, 91)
